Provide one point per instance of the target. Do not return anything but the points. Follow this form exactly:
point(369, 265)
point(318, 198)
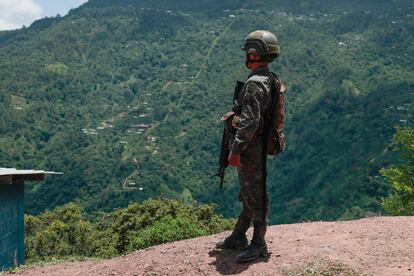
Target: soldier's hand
point(234, 160)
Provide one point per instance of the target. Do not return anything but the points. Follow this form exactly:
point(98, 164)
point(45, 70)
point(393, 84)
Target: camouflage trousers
point(251, 192)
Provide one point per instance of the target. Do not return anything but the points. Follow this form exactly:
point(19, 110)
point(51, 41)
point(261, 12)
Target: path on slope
point(182, 94)
point(372, 246)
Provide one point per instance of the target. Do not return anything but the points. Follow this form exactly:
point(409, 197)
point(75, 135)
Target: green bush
point(62, 232)
point(401, 178)
point(168, 229)
point(67, 232)
point(125, 224)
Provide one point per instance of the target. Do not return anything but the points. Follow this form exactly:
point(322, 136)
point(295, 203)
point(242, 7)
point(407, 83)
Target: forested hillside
point(125, 97)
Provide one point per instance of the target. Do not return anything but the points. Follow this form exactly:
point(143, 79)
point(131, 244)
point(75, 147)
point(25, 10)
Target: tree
point(401, 178)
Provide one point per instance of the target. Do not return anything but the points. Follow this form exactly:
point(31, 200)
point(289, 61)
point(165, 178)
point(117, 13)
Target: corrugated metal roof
point(9, 175)
point(13, 171)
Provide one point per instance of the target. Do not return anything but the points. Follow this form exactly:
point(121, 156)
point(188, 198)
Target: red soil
point(372, 246)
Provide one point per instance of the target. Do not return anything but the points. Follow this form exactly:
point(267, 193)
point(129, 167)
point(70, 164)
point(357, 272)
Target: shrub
point(66, 232)
point(168, 229)
point(401, 178)
point(62, 232)
point(125, 224)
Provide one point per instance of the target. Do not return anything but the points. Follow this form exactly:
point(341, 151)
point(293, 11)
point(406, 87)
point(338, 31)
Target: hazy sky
point(16, 13)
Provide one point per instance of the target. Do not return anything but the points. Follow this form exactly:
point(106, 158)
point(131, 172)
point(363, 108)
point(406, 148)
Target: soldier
point(246, 146)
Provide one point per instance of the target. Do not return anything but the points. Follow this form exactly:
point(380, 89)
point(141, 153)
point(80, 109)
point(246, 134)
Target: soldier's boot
point(237, 239)
point(257, 247)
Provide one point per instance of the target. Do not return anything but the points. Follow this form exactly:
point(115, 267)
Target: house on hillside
point(12, 214)
point(141, 126)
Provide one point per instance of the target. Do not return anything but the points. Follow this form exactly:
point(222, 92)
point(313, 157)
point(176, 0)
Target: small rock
point(277, 255)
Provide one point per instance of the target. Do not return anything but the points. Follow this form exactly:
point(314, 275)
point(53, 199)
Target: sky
point(16, 13)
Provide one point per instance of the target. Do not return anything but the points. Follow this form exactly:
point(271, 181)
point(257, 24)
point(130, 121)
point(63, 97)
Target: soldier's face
point(253, 58)
point(253, 62)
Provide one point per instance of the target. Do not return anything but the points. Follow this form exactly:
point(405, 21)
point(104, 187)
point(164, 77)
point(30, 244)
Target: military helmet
point(262, 43)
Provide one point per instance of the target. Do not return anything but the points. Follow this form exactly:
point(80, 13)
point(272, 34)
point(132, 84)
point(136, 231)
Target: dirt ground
point(372, 246)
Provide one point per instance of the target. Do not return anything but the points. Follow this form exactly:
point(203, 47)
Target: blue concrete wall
point(11, 225)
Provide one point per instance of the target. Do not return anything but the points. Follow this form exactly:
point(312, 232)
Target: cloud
point(15, 13)
point(54, 7)
point(79, 1)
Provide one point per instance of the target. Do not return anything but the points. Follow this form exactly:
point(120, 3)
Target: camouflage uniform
point(254, 100)
point(251, 106)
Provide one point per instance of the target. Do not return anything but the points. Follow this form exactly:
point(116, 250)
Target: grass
point(323, 268)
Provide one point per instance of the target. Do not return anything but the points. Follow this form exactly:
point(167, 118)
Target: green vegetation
point(74, 88)
point(167, 229)
point(401, 178)
point(68, 232)
point(62, 232)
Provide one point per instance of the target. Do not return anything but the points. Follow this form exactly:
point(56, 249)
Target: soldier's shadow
point(226, 263)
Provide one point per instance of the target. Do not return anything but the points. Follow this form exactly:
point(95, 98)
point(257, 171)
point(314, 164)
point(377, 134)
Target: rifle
point(225, 151)
point(224, 155)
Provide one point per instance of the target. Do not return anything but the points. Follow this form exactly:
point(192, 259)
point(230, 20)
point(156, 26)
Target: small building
point(12, 214)
point(142, 126)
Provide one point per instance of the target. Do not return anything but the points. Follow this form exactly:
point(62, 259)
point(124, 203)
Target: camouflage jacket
point(255, 100)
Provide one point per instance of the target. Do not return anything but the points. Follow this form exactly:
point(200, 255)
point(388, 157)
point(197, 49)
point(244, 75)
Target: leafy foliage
point(62, 232)
point(166, 230)
point(66, 231)
point(125, 224)
point(401, 178)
